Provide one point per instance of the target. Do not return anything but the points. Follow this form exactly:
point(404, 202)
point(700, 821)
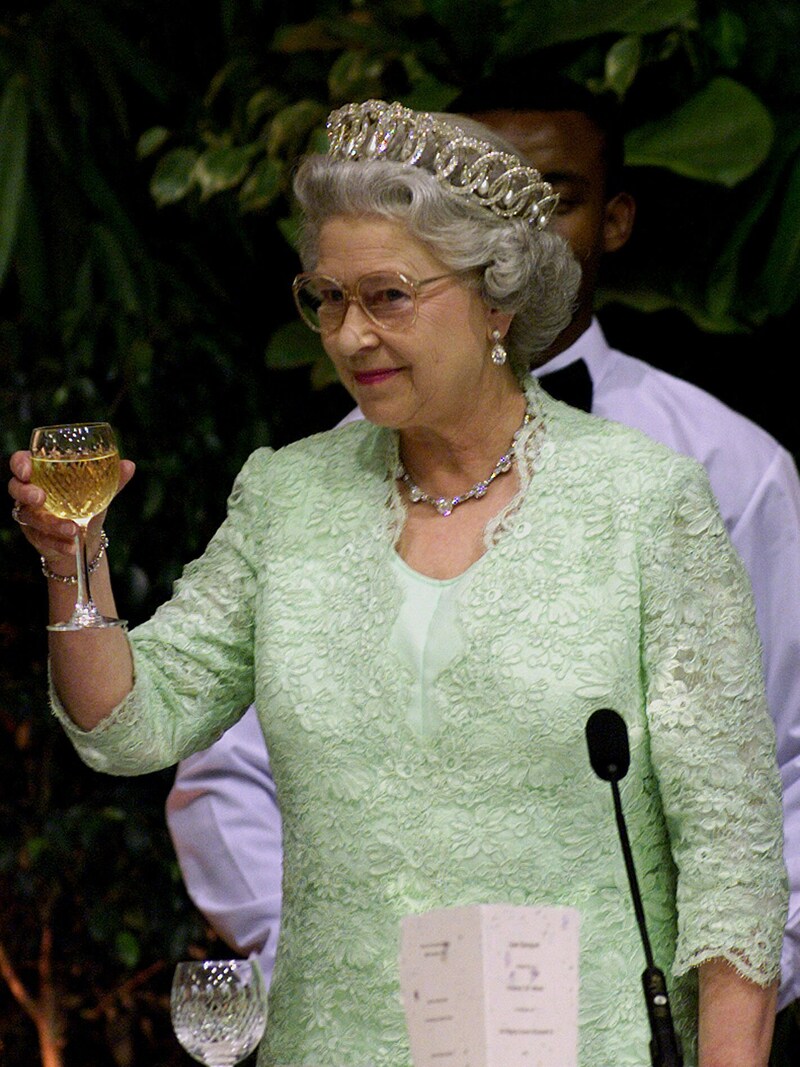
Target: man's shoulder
point(743, 461)
point(677, 412)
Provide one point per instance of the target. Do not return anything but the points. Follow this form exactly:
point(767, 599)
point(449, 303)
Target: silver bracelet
point(72, 579)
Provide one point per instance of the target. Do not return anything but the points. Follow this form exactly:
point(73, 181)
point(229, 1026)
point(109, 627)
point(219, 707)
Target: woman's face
point(423, 377)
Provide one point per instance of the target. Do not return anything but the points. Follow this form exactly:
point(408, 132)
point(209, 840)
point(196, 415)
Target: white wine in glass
point(77, 465)
point(219, 1009)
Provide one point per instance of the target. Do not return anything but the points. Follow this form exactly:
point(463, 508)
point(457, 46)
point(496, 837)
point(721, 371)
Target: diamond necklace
point(443, 504)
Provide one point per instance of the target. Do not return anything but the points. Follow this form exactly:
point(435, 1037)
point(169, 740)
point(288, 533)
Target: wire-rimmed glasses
point(388, 299)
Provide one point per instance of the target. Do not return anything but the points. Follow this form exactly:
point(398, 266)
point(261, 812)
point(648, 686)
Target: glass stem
point(84, 596)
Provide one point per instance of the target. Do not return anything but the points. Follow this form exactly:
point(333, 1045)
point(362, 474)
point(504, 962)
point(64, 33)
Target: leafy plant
point(700, 127)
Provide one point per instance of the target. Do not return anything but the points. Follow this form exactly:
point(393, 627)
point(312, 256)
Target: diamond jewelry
point(72, 579)
point(443, 504)
point(466, 166)
point(498, 353)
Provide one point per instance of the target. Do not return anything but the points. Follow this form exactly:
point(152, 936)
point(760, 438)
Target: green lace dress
point(427, 739)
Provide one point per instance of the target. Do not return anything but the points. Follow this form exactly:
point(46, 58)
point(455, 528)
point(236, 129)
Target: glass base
point(88, 618)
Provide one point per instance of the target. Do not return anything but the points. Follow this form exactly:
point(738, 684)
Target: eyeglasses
point(388, 299)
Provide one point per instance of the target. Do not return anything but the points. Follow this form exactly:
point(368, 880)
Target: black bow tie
point(572, 384)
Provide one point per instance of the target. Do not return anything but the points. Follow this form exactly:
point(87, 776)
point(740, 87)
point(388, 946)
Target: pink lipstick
point(374, 377)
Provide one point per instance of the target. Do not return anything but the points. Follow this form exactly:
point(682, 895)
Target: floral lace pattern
point(609, 583)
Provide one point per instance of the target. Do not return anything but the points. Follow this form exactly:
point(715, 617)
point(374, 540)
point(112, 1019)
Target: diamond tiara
point(466, 166)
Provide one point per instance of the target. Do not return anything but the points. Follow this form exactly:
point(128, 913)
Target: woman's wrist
point(736, 1017)
point(72, 579)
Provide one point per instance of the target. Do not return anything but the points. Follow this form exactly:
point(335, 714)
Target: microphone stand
point(665, 1050)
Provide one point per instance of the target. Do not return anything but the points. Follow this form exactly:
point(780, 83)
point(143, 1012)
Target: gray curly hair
point(518, 268)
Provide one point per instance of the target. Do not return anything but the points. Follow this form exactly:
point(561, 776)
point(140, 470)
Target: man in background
point(222, 811)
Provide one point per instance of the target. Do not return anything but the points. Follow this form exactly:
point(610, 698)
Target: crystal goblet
point(77, 465)
point(219, 1009)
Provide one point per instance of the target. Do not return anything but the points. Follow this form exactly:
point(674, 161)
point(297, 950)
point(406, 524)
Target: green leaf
point(151, 140)
point(14, 141)
point(430, 94)
point(727, 35)
point(356, 75)
point(293, 345)
point(102, 38)
point(644, 16)
point(222, 168)
point(737, 281)
point(289, 130)
point(36, 847)
point(548, 22)
point(113, 814)
point(323, 373)
point(290, 228)
point(262, 103)
point(472, 26)
point(263, 186)
point(318, 141)
point(120, 282)
point(622, 64)
point(722, 134)
point(174, 176)
point(313, 36)
point(127, 948)
point(780, 275)
point(105, 195)
point(33, 278)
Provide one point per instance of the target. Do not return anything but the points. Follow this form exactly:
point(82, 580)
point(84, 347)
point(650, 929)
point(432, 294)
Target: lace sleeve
point(712, 742)
point(193, 660)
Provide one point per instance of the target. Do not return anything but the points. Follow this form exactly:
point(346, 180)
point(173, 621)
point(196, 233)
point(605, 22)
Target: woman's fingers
point(20, 464)
point(27, 509)
point(126, 471)
point(19, 487)
point(49, 535)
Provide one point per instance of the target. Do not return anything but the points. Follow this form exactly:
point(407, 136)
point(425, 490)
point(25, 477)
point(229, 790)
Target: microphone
point(609, 755)
point(607, 738)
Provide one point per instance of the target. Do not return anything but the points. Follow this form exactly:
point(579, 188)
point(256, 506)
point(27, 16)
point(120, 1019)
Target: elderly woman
point(426, 607)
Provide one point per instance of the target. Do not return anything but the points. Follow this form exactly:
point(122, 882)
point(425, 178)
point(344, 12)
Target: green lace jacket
point(609, 582)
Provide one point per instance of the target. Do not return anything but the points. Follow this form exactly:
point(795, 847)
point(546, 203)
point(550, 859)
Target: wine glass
point(77, 465)
point(219, 1009)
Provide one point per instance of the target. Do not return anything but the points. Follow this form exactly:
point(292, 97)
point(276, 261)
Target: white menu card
point(491, 986)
